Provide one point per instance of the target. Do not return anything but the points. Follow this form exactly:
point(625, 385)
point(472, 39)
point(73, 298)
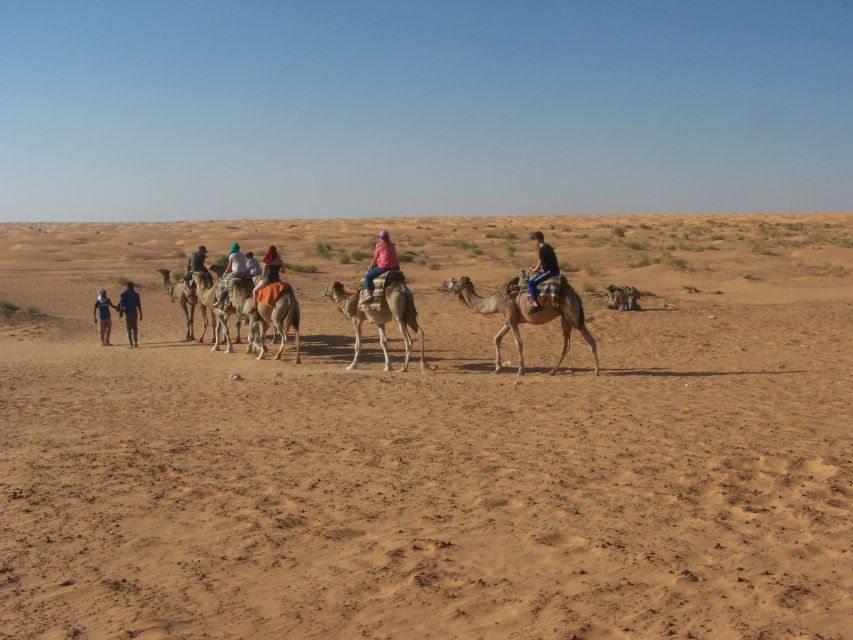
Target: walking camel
point(515, 311)
point(398, 304)
point(283, 314)
point(239, 304)
point(186, 297)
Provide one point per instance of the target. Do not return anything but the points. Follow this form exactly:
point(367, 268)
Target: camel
point(398, 304)
point(239, 304)
point(283, 315)
point(186, 297)
point(204, 295)
point(515, 311)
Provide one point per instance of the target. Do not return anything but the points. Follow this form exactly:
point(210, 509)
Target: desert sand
point(700, 487)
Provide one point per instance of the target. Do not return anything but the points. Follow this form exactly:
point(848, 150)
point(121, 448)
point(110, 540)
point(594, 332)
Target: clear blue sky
point(179, 109)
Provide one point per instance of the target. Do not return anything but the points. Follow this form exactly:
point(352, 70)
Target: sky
point(179, 109)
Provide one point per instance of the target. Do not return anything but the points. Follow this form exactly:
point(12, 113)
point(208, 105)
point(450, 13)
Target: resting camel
point(283, 315)
point(186, 297)
point(515, 311)
point(398, 304)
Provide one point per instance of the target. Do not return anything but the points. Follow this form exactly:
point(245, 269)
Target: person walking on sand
point(384, 260)
point(103, 318)
point(273, 267)
point(547, 266)
point(130, 305)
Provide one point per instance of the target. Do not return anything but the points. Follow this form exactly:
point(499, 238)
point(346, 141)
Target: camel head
point(334, 290)
point(458, 285)
point(217, 269)
point(165, 274)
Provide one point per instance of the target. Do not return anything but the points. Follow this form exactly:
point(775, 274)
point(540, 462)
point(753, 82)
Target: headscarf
point(234, 247)
point(385, 235)
point(102, 295)
point(272, 254)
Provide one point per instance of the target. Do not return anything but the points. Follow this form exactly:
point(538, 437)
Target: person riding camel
point(273, 267)
point(237, 267)
point(547, 268)
point(253, 264)
point(195, 264)
point(384, 260)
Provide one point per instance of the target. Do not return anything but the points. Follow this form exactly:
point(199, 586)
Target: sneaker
point(366, 296)
point(536, 308)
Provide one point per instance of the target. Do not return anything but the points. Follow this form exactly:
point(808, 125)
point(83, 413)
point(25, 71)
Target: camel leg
point(356, 325)
point(261, 328)
point(185, 309)
point(519, 344)
point(279, 330)
point(592, 345)
point(383, 342)
point(224, 325)
point(298, 360)
point(239, 322)
point(567, 333)
point(498, 339)
point(407, 341)
point(204, 324)
point(216, 331)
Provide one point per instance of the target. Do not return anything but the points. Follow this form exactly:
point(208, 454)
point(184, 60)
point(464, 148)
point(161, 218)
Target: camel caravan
point(254, 293)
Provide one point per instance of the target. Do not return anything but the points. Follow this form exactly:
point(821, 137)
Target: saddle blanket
point(270, 293)
point(379, 283)
point(549, 292)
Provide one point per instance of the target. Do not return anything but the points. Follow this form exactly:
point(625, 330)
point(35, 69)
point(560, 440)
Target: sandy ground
point(699, 488)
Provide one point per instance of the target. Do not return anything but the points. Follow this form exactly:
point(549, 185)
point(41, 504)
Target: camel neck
point(479, 304)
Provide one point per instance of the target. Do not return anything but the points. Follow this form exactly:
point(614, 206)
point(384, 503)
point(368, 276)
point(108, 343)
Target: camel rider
point(237, 267)
point(195, 263)
point(254, 265)
point(547, 268)
point(384, 260)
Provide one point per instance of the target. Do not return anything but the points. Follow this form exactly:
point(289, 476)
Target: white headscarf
point(102, 295)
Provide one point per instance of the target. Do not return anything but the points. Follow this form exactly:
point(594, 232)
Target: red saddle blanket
point(270, 293)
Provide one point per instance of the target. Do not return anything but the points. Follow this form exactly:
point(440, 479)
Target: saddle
point(549, 290)
point(270, 293)
point(387, 279)
point(625, 298)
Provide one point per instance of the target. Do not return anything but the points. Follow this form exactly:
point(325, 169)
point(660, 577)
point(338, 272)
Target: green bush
point(679, 264)
point(619, 232)
point(345, 258)
point(33, 311)
point(301, 268)
point(324, 249)
point(642, 262)
point(407, 256)
point(179, 254)
point(636, 245)
point(122, 281)
point(359, 255)
point(5, 305)
point(221, 261)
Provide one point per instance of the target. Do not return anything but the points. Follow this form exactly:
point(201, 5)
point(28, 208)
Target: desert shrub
point(619, 232)
point(122, 280)
point(835, 269)
point(510, 250)
point(464, 244)
point(642, 262)
point(345, 258)
point(33, 311)
point(476, 251)
point(177, 276)
point(359, 255)
point(636, 245)
point(588, 287)
point(221, 261)
point(324, 249)
point(750, 276)
point(417, 242)
point(179, 254)
point(5, 305)
point(582, 236)
point(598, 242)
point(718, 236)
point(301, 268)
point(689, 246)
point(505, 234)
point(407, 256)
point(679, 264)
point(757, 245)
point(434, 266)
point(647, 227)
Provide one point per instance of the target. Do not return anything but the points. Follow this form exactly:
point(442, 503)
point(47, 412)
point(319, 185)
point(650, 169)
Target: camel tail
point(423, 354)
point(411, 312)
point(292, 319)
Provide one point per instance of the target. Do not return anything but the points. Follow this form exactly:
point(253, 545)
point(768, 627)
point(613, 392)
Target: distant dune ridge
point(700, 487)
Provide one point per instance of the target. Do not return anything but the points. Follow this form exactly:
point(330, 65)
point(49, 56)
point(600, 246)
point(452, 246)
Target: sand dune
point(699, 488)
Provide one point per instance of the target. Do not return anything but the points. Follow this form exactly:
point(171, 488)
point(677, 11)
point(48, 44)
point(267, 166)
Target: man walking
point(130, 305)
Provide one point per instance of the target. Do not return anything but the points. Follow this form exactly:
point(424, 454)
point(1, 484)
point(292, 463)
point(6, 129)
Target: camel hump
point(389, 278)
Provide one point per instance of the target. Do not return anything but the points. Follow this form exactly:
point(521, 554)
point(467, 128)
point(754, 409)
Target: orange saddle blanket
point(270, 293)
